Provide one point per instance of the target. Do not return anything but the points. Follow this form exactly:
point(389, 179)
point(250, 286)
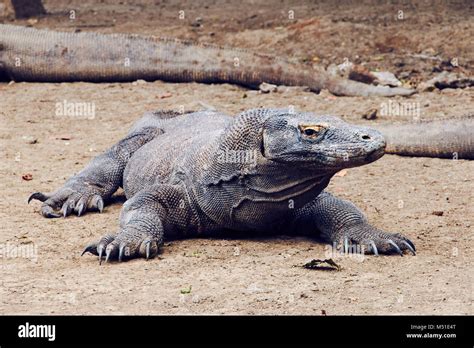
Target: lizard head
point(322, 142)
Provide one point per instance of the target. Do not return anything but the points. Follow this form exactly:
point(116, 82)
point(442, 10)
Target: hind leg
point(97, 181)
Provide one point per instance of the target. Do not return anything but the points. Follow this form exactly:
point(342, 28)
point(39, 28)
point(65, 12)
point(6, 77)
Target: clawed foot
point(375, 241)
point(124, 246)
point(69, 199)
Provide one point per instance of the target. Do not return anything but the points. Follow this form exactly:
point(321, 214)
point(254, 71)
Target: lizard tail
point(340, 86)
point(41, 55)
point(452, 138)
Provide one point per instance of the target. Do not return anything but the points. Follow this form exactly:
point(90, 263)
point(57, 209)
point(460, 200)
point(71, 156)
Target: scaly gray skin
point(451, 138)
point(28, 54)
point(205, 173)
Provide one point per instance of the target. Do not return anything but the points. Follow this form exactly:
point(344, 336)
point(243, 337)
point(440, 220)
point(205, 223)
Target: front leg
point(341, 222)
point(144, 221)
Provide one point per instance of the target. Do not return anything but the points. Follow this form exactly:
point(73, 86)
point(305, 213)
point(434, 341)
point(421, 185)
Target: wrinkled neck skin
point(286, 181)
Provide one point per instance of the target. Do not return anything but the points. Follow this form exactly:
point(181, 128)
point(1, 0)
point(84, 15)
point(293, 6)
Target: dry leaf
point(165, 95)
point(27, 177)
point(322, 265)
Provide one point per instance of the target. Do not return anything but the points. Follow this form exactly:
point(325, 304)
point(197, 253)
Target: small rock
point(438, 212)
point(332, 70)
point(29, 139)
point(267, 87)
point(370, 114)
point(430, 51)
point(426, 86)
point(139, 82)
point(405, 75)
point(346, 67)
point(386, 78)
point(197, 22)
point(342, 70)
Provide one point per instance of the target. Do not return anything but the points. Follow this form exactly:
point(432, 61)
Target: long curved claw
point(108, 251)
point(80, 207)
point(410, 247)
point(91, 248)
point(39, 196)
point(148, 245)
point(67, 208)
point(395, 246)
point(49, 212)
point(121, 250)
point(148, 248)
point(410, 243)
point(103, 246)
point(96, 202)
point(100, 250)
point(100, 205)
point(374, 248)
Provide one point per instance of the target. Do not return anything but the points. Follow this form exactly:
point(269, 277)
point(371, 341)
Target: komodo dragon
point(28, 54)
point(208, 174)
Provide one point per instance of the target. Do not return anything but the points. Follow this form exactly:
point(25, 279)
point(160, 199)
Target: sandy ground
point(41, 268)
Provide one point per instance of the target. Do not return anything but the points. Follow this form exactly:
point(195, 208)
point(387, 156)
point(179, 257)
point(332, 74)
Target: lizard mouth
point(375, 155)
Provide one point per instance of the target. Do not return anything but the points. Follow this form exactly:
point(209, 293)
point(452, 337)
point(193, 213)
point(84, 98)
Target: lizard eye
point(311, 132)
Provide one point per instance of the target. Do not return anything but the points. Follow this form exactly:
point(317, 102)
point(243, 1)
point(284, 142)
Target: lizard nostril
point(365, 137)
